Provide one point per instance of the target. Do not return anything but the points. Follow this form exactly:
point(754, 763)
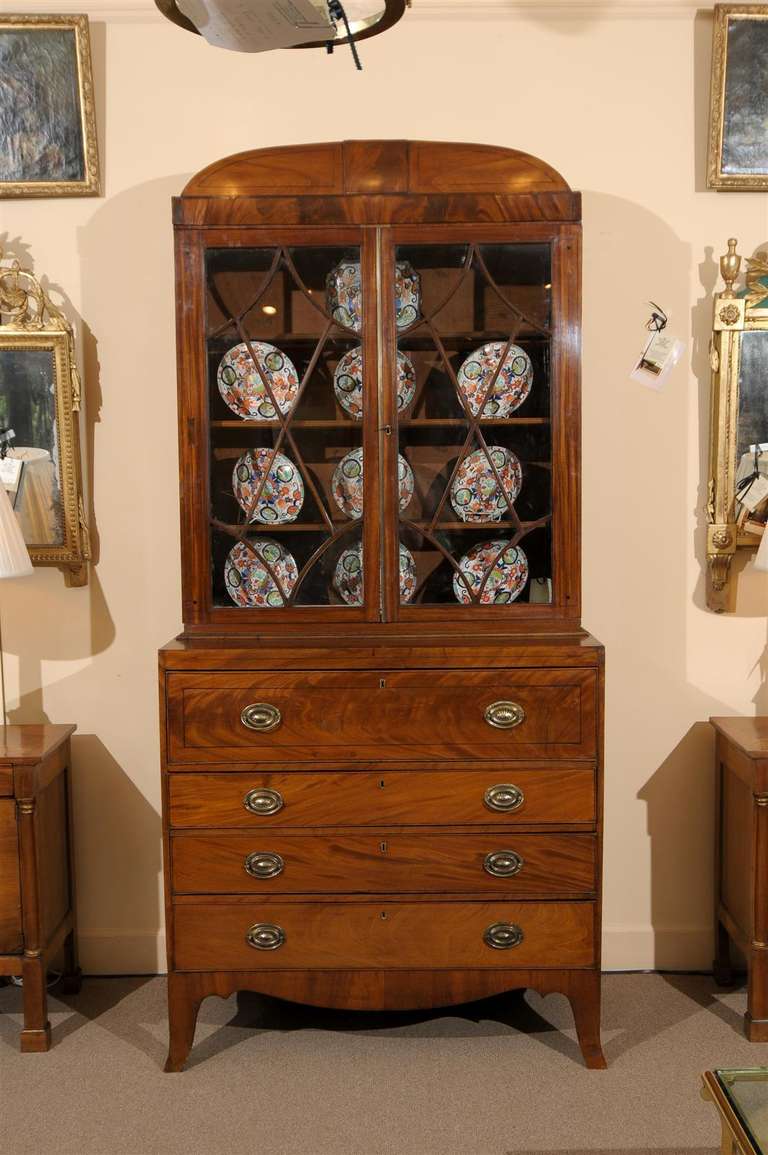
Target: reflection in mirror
point(28, 421)
point(753, 391)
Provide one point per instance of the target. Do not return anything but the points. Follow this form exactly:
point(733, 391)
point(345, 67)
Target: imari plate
point(348, 382)
point(344, 294)
point(347, 483)
point(475, 492)
point(242, 385)
point(508, 574)
point(512, 386)
point(256, 572)
point(348, 575)
point(282, 494)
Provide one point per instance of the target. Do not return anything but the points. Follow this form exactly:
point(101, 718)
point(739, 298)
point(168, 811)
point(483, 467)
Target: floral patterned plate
point(344, 295)
point(475, 492)
point(282, 495)
point(507, 578)
point(513, 383)
point(347, 483)
point(248, 579)
point(348, 382)
point(242, 387)
point(348, 575)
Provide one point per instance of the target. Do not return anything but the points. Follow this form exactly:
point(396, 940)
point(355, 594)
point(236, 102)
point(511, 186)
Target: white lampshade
point(14, 556)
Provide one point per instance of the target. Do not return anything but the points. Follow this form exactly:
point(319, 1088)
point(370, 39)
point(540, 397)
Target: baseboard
point(673, 948)
point(121, 952)
point(625, 948)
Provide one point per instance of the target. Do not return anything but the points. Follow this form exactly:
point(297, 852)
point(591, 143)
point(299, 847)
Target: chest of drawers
point(399, 860)
point(382, 723)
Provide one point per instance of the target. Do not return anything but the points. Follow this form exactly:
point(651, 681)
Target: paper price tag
point(659, 356)
point(10, 473)
point(755, 494)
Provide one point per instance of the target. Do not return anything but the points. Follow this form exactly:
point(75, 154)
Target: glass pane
point(285, 385)
point(29, 431)
point(748, 1092)
point(474, 421)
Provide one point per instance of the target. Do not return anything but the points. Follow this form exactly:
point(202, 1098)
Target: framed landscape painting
point(738, 137)
point(47, 122)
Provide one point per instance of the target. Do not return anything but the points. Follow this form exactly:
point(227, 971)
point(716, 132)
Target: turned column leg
point(584, 995)
point(184, 999)
point(36, 1033)
point(71, 979)
point(722, 967)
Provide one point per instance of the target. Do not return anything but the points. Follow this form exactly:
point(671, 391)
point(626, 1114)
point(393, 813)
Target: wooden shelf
point(326, 423)
point(484, 526)
point(418, 422)
point(257, 527)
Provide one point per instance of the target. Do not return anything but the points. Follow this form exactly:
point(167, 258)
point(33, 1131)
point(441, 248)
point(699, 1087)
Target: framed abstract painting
point(738, 137)
point(47, 120)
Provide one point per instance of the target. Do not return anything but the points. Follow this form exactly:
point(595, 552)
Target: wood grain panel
point(10, 883)
point(737, 849)
point(369, 166)
point(383, 861)
point(375, 798)
point(394, 715)
point(358, 935)
point(54, 866)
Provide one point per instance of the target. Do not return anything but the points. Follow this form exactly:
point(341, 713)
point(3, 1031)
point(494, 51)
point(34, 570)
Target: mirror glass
point(28, 408)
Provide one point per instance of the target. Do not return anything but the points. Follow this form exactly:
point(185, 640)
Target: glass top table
point(741, 1098)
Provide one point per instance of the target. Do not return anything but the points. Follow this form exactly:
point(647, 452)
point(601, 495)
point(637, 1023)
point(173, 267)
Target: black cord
point(336, 11)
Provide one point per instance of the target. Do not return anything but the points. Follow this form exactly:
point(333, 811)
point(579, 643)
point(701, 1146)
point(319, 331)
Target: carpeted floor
point(272, 1078)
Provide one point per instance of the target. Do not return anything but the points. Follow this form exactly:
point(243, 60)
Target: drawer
point(280, 862)
point(550, 794)
point(389, 935)
point(363, 716)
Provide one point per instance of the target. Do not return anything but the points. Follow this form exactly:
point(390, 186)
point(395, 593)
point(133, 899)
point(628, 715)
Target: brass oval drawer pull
point(265, 936)
point(261, 716)
point(262, 800)
point(502, 863)
point(503, 935)
point(504, 715)
point(503, 796)
point(264, 864)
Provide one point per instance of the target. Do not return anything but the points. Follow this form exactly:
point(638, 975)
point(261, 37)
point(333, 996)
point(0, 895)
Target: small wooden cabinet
point(37, 920)
point(741, 861)
point(382, 724)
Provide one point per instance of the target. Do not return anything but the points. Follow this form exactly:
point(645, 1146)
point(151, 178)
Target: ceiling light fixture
point(313, 24)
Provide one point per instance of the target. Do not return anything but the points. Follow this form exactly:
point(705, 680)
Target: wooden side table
point(37, 915)
point(741, 861)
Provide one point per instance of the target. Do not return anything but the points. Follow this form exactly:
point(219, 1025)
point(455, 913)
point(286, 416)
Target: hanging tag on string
point(661, 353)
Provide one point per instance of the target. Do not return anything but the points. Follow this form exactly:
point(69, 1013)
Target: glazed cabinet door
point(481, 431)
point(280, 329)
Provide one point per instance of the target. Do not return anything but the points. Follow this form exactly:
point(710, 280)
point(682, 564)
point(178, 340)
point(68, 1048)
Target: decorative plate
point(513, 383)
point(282, 496)
point(242, 387)
point(348, 575)
point(475, 492)
point(344, 295)
point(348, 382)
point(507, 577)
point(248, 580)
point(347, 483)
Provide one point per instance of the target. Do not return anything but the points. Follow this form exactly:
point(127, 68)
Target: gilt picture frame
point(738, 140)
point(48, 145)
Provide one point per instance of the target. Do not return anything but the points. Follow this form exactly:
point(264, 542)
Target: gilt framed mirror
point(737, 490)
point(39, 425)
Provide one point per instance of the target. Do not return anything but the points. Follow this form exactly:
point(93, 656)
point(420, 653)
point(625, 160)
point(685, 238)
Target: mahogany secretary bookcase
point(382, 724)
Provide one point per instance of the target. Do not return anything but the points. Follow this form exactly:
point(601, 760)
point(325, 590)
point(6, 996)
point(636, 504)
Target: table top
point(746, 1093)
point(29, 744)
point(749, 734)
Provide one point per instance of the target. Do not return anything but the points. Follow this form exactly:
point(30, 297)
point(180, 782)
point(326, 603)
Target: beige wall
point(615, 97)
